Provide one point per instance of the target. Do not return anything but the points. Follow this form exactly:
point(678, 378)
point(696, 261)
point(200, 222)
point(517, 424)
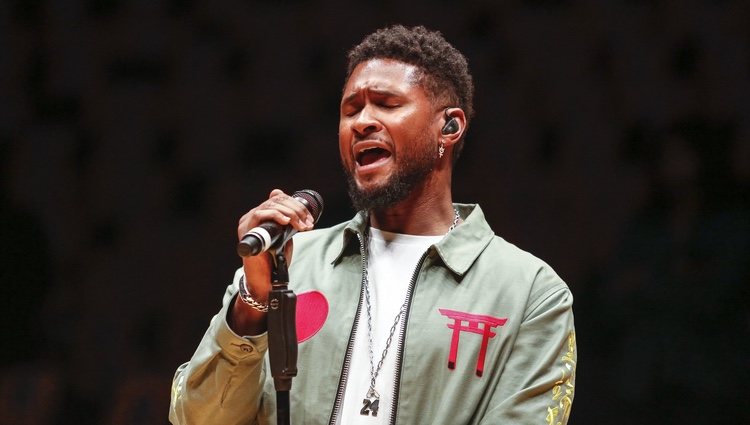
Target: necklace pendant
point(370, 404)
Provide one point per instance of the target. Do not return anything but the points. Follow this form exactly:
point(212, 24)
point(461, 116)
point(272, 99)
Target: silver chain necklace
point(372, 400)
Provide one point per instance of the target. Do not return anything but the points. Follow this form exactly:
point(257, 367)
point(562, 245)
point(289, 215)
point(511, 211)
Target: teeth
point(365, 150)
point(376, 150)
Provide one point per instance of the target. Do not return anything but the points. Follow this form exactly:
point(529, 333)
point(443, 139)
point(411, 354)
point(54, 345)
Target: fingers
point(285, 209)
point(281, 208)
point(292, 208)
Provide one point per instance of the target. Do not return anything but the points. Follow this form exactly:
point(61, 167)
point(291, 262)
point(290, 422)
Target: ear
point(453, 126)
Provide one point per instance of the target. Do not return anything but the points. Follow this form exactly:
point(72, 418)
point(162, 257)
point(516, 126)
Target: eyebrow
point(379, 92)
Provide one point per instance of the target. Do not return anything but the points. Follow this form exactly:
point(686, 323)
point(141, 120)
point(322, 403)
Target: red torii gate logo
point(487, 322)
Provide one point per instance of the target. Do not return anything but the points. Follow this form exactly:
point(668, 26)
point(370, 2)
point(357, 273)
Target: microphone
point(271, 234)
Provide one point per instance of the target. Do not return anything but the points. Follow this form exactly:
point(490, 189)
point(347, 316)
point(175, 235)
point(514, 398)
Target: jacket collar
point(458, 250)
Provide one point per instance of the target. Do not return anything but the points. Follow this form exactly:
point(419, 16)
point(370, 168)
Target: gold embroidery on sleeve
point(562, 392)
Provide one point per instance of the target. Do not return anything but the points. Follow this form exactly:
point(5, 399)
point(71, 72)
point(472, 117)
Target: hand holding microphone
point(286, 216)
point(270, 225)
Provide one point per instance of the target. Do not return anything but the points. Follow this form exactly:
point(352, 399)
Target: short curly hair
point(445, 72)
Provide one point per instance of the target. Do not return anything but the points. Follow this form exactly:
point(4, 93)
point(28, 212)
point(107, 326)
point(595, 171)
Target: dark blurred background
point(611, 140)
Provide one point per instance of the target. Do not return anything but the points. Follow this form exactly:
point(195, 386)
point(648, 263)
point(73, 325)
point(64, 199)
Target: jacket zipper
point(402, 336)
point(350, 344)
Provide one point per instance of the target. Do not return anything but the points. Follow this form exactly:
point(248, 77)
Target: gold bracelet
point(248, 299)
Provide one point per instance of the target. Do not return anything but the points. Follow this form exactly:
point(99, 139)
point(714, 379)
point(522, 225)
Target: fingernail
point(309, 221)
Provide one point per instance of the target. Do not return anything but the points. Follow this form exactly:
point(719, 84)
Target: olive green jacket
point(488, 338)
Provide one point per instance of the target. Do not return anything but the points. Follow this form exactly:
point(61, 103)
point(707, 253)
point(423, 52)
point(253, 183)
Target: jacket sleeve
point(538, 383)
point(223, 383)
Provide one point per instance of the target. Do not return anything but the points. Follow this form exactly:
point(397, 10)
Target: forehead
point(388, 75)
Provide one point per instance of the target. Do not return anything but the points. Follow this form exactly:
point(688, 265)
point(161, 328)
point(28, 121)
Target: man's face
point(386, 131)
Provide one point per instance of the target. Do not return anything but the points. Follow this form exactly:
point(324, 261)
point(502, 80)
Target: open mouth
point(372, 155)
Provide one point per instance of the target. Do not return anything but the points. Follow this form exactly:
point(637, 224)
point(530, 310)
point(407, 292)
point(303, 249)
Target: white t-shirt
point(392, 260)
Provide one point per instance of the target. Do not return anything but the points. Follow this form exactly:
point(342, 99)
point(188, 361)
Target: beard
point(412, 168)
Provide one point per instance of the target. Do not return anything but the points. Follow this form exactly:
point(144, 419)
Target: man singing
point(414, 312)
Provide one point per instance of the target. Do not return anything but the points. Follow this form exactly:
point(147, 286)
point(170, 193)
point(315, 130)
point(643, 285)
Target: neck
point(426, 214)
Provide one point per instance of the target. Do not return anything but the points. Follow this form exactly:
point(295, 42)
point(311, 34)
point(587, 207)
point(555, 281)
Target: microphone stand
point(282, 334)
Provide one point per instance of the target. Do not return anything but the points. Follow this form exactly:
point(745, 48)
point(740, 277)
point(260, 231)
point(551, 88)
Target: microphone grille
point(312, 200)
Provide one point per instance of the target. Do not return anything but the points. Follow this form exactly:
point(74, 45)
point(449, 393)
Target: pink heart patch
point(312, 312)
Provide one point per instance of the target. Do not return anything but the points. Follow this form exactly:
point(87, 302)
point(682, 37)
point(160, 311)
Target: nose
point(366, 123)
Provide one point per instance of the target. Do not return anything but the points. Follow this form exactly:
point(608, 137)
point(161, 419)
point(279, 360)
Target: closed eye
point(350, 111)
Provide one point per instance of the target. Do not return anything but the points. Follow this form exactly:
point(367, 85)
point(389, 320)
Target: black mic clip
point(282, 332)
